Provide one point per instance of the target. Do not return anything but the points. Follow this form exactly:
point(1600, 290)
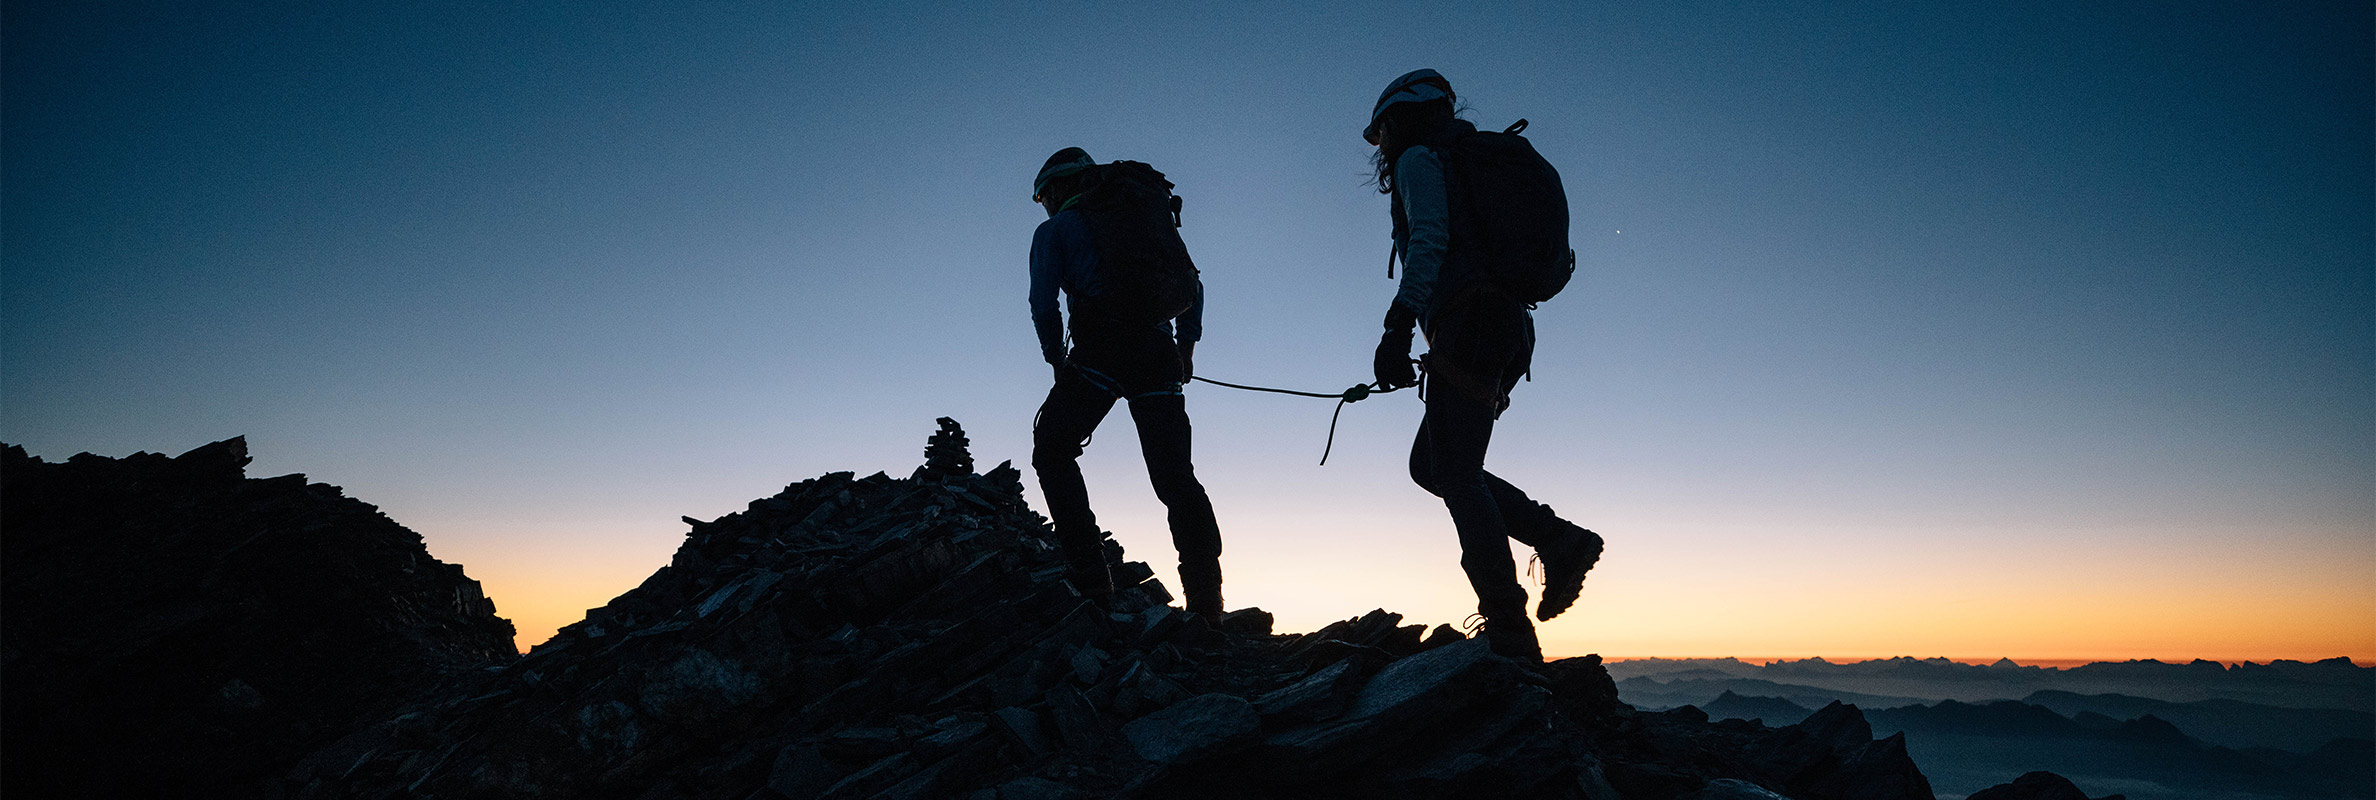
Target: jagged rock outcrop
point(913, 638)
point(1831, 754)
point(1769, 710)
point(177, 629)
point(2037, 786)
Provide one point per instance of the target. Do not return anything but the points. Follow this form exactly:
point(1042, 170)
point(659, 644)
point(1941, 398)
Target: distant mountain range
point(1652, 693)
point(2228, 723)
point(2334, 683)
point(2212, 746)
point(1965, 747)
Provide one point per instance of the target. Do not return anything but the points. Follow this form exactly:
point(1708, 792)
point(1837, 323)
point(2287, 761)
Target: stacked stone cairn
point(913, 638)
point(945, 452)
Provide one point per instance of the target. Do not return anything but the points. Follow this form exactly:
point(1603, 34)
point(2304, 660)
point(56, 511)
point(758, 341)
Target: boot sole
point(1560, 595)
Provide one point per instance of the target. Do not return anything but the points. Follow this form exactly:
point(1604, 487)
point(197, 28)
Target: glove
point(1059, 367)
point(1393, 362)
point(1392, 365)
point(1187, 361)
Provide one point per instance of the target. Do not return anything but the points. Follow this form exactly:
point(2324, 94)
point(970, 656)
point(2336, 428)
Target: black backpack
point(1518, 208)
point(1143, 275)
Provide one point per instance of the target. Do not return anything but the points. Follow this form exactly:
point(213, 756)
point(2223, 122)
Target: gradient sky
point(2033, 329)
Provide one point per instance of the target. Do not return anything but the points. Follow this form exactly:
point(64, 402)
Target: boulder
point(1734, 789)
point(1317, 696)
point(1193, 729)
point(2036, 786)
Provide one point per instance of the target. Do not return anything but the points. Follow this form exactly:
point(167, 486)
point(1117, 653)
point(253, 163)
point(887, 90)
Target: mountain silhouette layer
point(848, 637)
point(2334, 683)
point(177, 629)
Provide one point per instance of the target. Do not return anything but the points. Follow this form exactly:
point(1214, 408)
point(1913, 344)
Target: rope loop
point(1354, 394)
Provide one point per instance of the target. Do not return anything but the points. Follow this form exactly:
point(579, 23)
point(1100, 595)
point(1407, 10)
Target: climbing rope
point(1354, 394)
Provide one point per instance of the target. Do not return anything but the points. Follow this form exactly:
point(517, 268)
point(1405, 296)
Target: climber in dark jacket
point(1143, 365)
point(1480, 341)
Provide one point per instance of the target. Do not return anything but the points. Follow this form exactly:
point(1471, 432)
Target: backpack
point(1519, 210)
point(1144, 275)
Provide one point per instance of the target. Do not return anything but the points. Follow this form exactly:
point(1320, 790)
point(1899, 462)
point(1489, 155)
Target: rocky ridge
point(871, 637)
point(883, 637)
point(177, 629)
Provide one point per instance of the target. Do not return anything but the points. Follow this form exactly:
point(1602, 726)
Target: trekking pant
point(1145, 371)
point(1479, 346)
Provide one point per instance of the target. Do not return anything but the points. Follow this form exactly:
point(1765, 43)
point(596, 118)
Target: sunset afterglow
point(2038, 330)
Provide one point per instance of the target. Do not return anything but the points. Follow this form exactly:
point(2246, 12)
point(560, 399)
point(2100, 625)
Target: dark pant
point(1144, 369)
point(1478, 349)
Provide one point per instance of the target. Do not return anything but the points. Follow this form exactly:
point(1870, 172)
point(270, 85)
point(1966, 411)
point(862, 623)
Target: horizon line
point(2049, 663)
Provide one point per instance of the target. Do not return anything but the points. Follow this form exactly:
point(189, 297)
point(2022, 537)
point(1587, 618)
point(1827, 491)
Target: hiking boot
point(1564, 566)
point(1514, 640)
point(1093, 583)
point(1200, 583)
point(1085, 567)
point(1512, 637)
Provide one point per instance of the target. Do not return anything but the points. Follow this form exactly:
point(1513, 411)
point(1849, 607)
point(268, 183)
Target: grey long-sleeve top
point(1419, 186)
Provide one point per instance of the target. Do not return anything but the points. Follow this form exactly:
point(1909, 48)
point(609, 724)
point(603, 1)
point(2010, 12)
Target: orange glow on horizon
point(1668, 593)
point(2054, 663)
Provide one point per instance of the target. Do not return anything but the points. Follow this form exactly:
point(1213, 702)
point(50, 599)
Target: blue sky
point(1885, 312)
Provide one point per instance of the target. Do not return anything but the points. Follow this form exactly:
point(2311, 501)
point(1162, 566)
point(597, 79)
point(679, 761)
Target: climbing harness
point(1354, 394)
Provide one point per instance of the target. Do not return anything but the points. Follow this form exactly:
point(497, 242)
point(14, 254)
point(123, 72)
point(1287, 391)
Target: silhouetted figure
point(1472, 268)
point(1110, 244)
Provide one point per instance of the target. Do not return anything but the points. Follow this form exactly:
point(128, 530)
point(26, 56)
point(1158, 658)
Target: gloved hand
point(1187, 361)
point(1392, 364)
point(1059, 370)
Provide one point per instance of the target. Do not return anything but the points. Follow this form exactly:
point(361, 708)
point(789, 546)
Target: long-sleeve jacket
point(1424, 235)
point(1062, 258)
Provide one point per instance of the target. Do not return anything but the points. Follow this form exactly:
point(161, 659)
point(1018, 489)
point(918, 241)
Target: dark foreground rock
point(2037, 786)
point(176, 629)
point(870, 637)
point(886, 637)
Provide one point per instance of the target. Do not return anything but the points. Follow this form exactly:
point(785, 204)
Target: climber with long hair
point(1481, 339)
